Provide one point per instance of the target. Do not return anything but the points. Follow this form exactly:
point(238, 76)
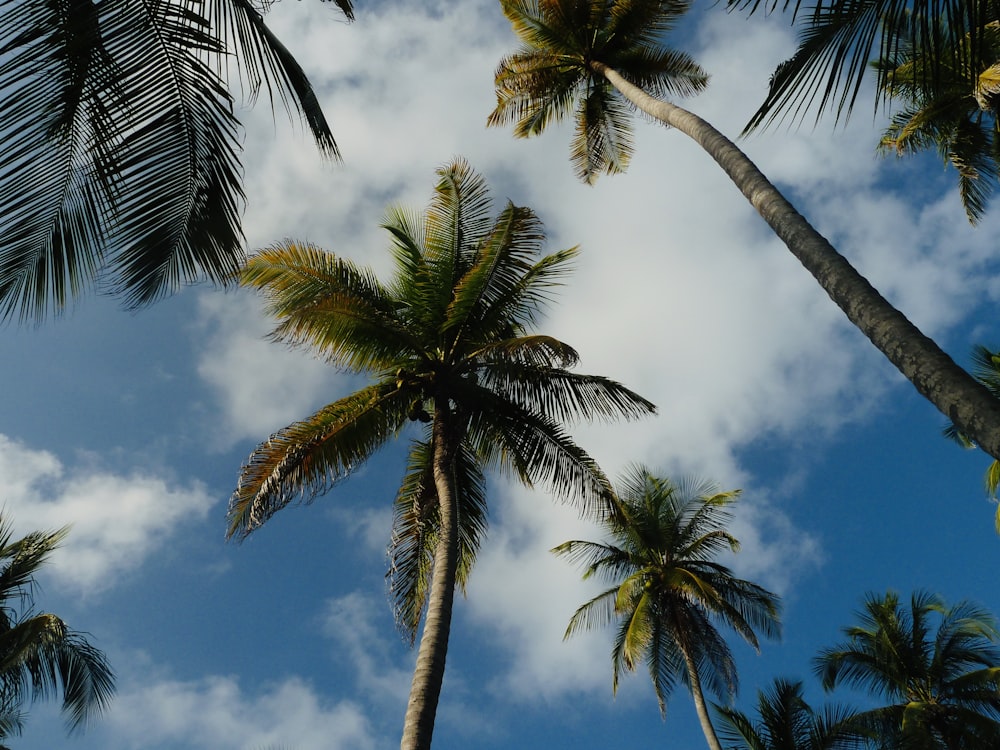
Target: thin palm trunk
point(698, 695)
point(935, 375)
point(418, 726)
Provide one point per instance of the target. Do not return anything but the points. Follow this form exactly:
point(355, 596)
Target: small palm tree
point(120, 162)
point(942, 685)
point(448, 345)
point(595, 60)
point(39, 654)
point(948, 106)
point(668, 593)
point(787, 722)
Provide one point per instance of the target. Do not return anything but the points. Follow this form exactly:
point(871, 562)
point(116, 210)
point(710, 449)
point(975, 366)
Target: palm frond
point(265, 62)
point(304, 459)
point(330, 305)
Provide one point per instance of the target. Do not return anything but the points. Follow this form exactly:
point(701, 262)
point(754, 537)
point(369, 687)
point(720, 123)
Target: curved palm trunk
point(418, 726)
point(968, 405)
point(699, 703)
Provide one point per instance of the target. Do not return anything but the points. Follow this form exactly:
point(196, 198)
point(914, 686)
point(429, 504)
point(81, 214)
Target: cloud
point(260, 386)
point(216, 712)
point(117, 521)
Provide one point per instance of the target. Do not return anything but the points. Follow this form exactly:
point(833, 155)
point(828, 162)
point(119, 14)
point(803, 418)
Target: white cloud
point(116, 521)
point(260, 386)
point(216, 712)
point(360, 626)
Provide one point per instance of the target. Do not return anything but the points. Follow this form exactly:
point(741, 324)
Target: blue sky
point(133, 427)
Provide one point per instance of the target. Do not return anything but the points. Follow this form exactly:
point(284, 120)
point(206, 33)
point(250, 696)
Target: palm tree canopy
point(552, 75)
point(453, 326)
point(950, 107)
point(40, 655)
point(667, 590)
point(839, 38)
point(942, 685)
point(787, 722)
point(120, 165)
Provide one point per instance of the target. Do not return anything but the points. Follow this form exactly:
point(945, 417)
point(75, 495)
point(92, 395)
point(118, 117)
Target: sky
point(133, 427)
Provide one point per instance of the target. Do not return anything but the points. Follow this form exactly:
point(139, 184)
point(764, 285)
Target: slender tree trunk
point(935, 375)
point(699, 703)
point(418, 726)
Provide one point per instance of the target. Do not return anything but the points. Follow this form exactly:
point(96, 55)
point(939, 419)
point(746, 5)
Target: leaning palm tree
point(668, 593)
point(596, 59)
point(449, 347)
point(787, 722)
point(120, 163)
point(39, 654)
point(941, 684)
point(951, 110)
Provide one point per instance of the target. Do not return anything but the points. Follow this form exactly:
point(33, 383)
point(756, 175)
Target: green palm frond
point(330, 305)
point(536, 450)
point(40, 656)
point(303, 460)
point(123, 145)
point(265, 62)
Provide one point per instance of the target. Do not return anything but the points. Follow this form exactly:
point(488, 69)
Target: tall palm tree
point(986, 369)
point(120, 163)
point(951, 110)
point(787, 722)
point(942, 685)
point(448, 345)
point(39, 654)
point(581, 57)
point(668, 593)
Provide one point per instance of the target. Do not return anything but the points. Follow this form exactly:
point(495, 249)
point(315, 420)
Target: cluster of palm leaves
point(39, 654)
point(933, 672)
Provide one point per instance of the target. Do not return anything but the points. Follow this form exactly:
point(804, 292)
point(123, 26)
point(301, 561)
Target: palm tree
point(840, 37)
point(942, 684)
point(120, 163)
point(787, 722)
point(951, 110)
point(39, 654)
point(448, 345)
point(583, 56)
point(667, 591)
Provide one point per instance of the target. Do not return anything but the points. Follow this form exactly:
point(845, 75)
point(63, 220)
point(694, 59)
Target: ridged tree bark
point(958, 396)
point(428, 675)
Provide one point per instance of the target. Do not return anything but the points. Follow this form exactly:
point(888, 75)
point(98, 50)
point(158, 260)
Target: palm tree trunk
point(699, 703)
point(418, 726)
point(969, 406)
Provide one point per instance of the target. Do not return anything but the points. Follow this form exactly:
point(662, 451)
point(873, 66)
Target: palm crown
point(950, 106)
point(552, 75)
point(943, 685)
point(787, 722)
point(39, 653)
point(448, 344)
point(668, 591)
